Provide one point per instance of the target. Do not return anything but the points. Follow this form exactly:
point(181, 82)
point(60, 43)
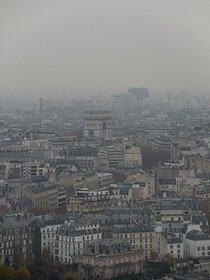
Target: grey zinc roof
point(133, 228)
point(174, 240)
point(111, 246)
point(199, 218)
point(20, 201)
point(167, 181)
point(197, 235)
point(70, 230)
point(17, 182)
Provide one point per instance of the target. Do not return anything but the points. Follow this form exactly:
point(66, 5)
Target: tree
point(46, 255)
point(7, 261)
point(73, 275)
point(6, 273)
point(37, 243)
point(169, 259)
point(150, 157)
point(37, 211)
point(154, 255)
point(22, 274)
point(19, 259)
point(119, 177)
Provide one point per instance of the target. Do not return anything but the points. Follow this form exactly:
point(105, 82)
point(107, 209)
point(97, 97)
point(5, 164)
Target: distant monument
point(98, 124)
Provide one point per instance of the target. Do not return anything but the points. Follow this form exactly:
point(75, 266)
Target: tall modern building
point(127, 102)
point(123, 102)
point(140, 93)
point(98, 124)
point(41, 105)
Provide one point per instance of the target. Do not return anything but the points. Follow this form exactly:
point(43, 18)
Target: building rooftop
point(197, 235)
point(174, 240)
point(132, 228)
point(106, 247)
point(71, 230)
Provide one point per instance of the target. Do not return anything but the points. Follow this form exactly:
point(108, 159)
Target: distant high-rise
point(140, 93)
point(41, 105)
point(123, 102)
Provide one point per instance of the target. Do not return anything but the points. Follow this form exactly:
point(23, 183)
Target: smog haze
point(97, 47)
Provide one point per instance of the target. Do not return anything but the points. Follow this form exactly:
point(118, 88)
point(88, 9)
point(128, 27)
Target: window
point(198, 248)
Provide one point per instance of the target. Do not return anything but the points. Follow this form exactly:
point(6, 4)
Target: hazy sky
point(98, 46)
